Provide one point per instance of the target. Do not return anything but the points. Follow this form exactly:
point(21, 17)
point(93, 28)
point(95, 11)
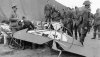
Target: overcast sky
point(72, 3)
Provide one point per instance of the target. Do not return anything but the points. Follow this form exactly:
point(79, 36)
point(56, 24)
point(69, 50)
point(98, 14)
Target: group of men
point(77, 19)
point(24, 22)
point(14, 24)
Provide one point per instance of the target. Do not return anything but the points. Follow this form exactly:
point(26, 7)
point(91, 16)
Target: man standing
point(76, 20)
point(47, 12)
point(85, 15)
point(96, 23)
point(4, 29)
point(14, 17)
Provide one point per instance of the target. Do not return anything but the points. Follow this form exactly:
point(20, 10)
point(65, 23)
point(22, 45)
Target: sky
point(72, 3)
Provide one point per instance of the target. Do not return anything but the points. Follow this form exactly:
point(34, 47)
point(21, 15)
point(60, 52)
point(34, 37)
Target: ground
point(6, 52)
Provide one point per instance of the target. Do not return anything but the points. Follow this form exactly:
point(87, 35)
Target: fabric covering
point(37, 36)
point(23, 35)
point(52, 34)
point(57, 26)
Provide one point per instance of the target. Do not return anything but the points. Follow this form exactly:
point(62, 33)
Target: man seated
point(5, 30)
point(27, 24)
point(5, 25)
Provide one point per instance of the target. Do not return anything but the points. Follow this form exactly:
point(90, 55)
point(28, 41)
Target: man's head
point(87, 4)
point(98, 10)
point(14, 8)
point(76, 8)
point(23, 18)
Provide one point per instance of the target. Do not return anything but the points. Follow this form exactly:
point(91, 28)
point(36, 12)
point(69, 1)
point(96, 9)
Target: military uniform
point(85, 15)
point(96, 24)
point(13, 15)
point(76, 20)
point(47, 12)
point(27, 24)
point(68, 22)
point(79, 14)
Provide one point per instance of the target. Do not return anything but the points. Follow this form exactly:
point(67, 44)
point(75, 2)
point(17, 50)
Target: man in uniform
point(47, 12)
point(27, 24)
point(76, 20)
point(13, 19)
point(96, 23)
point(67, 21)
point(84, 12)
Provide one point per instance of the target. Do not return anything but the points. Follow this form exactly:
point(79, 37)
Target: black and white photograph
point(49, 28)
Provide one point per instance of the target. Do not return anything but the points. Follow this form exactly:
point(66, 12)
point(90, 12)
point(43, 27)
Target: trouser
point(97, 27)
point(89, 26)
point(47, 18)
point(70, 30)
point(75, 29)
point(82, 38)
point(82, 33)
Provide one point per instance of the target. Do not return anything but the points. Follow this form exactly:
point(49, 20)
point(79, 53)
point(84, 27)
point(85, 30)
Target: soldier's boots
point(76, 35)
point(82, 39)
point(94, 36)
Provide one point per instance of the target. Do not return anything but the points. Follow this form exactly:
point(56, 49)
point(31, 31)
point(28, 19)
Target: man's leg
point(99, 32)
point(32, 25)
point(94, 34)
point(75, 32)
point(83, 34)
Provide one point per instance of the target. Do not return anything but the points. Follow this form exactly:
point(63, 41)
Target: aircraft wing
point(23, 35)
point(66, 46)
